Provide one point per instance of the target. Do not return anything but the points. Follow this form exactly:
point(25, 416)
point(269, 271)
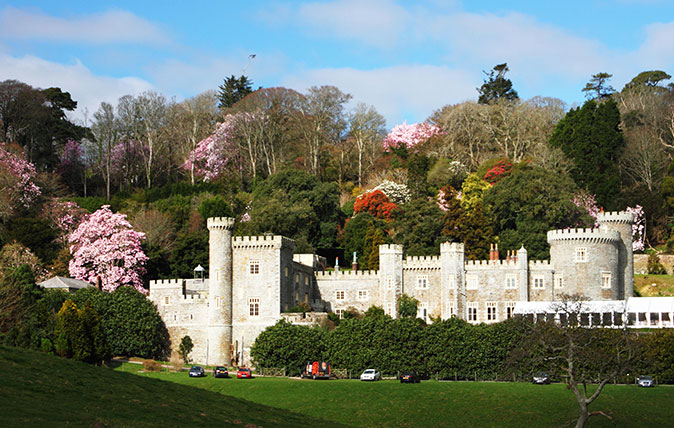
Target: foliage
point(355, 238)
point(598, 88)
point(498, 171)
point(407, 306)
point(447, 172)
point(17, 183)
point(591, 138)
point(473, 191)
point(233, 90)
point(410, 136)
point(397, 193)
point(497, 87)
point(130, 321)
point(189, 251)
point(647, 78)
point(377, 204)
point(419, 228)
point(472, 227)
point(654, 265)
point(527, 204)
point(105, 248)
point(214, 207)
point(185, 348)
point(289, 346)
point(213, 154)
point(79, 334)
point(34, 233)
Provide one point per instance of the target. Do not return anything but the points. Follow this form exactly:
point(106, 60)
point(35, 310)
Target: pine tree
point(497, 87)
point(233, 90)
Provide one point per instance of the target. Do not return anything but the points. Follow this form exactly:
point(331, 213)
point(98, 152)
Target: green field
point(42, 390)
point(654, 285)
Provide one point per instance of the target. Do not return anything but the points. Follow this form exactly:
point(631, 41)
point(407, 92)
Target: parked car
point(541, 378)
point(197, 371)
point(410, 377)
point(220, 371)
point(645, 382)
point(317, 370)
point(244, 373)
point(370, 374)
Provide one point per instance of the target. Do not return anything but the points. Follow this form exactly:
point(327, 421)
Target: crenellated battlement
point(275, 241)
point(586, 235)
point(421, 262)
point(347, 274)
point(539, 264)
point(166, 283)
point(220, 223)
point(456, 247)
point(490, 264)
point(615, 217)
point(390, 249)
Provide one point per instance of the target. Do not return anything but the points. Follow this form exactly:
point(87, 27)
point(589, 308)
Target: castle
point(253, 280)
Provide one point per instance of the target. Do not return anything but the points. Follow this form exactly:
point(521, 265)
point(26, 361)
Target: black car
point(541, 378)
point(410, 377)
point(220, 371)
point(197, 371)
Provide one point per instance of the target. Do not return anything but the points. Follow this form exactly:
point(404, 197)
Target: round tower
point(622, 223)
point(219, 290)
point(391, 276)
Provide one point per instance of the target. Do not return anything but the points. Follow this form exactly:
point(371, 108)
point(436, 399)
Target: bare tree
point(367, 128)
point(106, 129)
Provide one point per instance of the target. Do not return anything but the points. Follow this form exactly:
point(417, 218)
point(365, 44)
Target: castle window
point(389, 281)
point(422, 311)
point(538, 281)
point(254, 306)
point(510, 309)
point(340, 312)
point(491, 311)
point(306, 280)
point(297, 296)
point(581, 254)
point(254, 267)
point(606, 280)
point(471, 282)
point(510, 281)
point(306, 297)
point(472, 311)
point(167, 300)
point(559, 281)
point(363, 294)
point(286, 271)
point(175, 316)
point(450, 309)
point(422, 282)
point(389, 309)
point(339, 294)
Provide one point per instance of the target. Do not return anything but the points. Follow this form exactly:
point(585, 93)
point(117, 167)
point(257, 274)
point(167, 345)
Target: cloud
point(114, 26)
point(657, 50)
point(399, 93)
point(87, 89)
point(374, 22)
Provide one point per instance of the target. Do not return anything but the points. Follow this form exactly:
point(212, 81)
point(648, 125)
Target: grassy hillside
point(441, 404)
point(42, 390)
point(654, 285)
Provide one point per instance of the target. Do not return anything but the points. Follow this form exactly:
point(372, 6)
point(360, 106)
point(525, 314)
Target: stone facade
point(254, 280)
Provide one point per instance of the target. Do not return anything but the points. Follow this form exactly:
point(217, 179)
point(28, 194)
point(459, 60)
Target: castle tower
point(390, 276)
point(220, 290)
point(523, 268)
point(622, 223)
point(452, 262)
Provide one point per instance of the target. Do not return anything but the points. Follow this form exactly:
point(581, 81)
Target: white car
point(370, 374)
point(645, 382)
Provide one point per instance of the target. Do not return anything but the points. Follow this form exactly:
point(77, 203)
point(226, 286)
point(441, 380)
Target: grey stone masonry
point(219, 290)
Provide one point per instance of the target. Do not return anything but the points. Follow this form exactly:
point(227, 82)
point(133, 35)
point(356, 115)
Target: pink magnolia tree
point(409, 136)
point(16, 180)
point(105, 247)
point(212, 155)
point(65, 215)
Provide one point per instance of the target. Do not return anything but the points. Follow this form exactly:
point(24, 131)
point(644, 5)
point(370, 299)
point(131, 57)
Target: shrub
point(151, 366)
point(654, 265)
point(185, 348)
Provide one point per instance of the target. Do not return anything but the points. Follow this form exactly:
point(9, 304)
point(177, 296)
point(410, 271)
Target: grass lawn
point(654, 285)
point(39, 390)
point(437, 404)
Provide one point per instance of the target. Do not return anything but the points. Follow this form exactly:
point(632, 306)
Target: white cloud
point(87, 89)
point(375, 22)
point(657, 50)
point(399, 93)
point(114, 26)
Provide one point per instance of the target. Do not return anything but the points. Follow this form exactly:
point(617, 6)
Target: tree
point(212, 155)
point(407, 306)
point(185, 348)
point(410, 136)
point(497, 87)
point(582, 355)
point(591, 138)
point(18, 190)
point(419, 227)
point(598, 88)
point(233, 90)
point(377, 204)
point(366, 127)
point(106, 249)
point(106, 129)
point(647, 78)
point(79, 334)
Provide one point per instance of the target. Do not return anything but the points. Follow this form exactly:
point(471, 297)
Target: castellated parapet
point(346, 274)
point(421, 263)
point(490, 264)
point(224, 223)
point(264, 242)
point(615, 217)
point(579, 235)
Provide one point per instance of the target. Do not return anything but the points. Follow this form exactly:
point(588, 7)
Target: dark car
point(541, 378)
point(220, 371)
point(645, 382)
point(410, 377)
point(197, 371)
point(244, 373)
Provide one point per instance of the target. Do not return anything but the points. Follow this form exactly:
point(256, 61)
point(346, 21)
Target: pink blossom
point(65, 215)
point(212, 154)
point(24, 172)
point(638, 227)
point(105, 246)
point(410, 135)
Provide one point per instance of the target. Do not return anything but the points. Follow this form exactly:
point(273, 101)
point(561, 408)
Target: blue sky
point(405, 58)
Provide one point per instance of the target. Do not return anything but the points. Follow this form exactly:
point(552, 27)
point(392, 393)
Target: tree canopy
point(496, 87)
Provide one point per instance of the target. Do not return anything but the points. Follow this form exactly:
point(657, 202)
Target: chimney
point(354, 265)
point(336, 264)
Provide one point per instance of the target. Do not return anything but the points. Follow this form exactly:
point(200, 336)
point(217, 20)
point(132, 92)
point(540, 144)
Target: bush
point(185, 348)
point(151, 366)
point(654, 265)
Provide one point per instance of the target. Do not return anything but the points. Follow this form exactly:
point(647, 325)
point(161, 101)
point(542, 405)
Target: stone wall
point(641, 263)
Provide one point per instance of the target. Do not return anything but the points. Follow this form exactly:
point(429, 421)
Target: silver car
point(370, 374)
point(645, 381)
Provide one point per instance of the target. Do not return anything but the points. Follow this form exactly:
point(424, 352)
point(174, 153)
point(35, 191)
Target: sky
point(406, 58)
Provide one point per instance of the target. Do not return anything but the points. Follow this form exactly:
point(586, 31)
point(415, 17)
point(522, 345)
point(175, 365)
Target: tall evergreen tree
point(497, 87)
point(233, 90)
point(591, 138)
point(598, 88)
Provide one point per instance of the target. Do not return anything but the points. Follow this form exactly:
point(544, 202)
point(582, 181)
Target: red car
point(244, 373)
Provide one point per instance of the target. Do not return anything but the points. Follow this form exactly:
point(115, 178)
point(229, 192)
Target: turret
point(452, 261)
point(220, 290)
point(391, 276)
point(622, 223)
